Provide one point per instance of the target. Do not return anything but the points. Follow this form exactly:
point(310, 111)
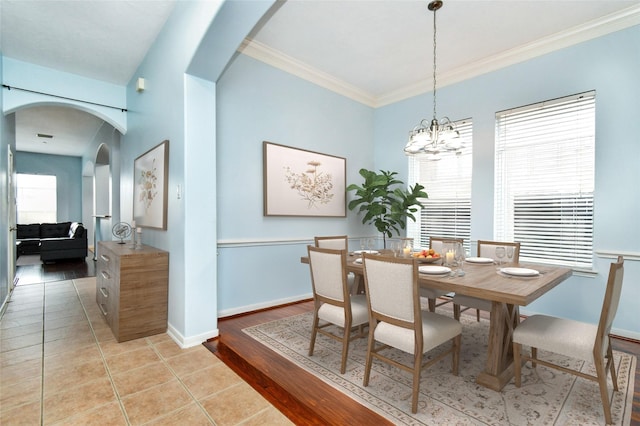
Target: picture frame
point(150, 178)
point(298, 182)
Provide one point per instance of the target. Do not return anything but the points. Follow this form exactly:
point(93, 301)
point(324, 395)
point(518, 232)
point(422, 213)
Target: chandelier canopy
point(433, 135)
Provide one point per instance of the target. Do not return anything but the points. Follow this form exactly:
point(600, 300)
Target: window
point(544, 178)
point(447, 181)
point(36, 199)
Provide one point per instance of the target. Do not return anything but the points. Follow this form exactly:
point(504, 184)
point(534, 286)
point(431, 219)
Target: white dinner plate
point(366, 251)
point(434, 270)
point(520, 272)
point(358, 260)
point(483, 260)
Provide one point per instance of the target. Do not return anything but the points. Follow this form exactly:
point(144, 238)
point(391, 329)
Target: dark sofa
point(54, 241)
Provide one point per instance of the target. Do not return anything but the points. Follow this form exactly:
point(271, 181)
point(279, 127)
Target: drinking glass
point(363, 243)
point(500, 252)
point(510, 251)
point(396, 246)
point(460, 257)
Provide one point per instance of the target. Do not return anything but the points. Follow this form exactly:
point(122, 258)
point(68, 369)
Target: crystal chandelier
point(432, 136)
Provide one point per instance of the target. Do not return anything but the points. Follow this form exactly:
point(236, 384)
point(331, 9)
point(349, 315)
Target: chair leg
point(534, 356)
point(601, 372)
point(432, 305)
point(345, 347)
point(612, 367)
point(517, 365)
point(417, 367)
point(456, 311)
point(455, 362)
point(369, 358)
point(314, 332)
point(478, 315)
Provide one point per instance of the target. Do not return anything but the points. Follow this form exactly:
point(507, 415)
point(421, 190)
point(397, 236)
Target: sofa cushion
point(28, 231)
point(55, 230)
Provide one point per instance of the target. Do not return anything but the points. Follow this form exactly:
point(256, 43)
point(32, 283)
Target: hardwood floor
point(302, 397)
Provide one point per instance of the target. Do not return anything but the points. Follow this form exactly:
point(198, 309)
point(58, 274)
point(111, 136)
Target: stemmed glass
point(500, 252)
point(510, 251)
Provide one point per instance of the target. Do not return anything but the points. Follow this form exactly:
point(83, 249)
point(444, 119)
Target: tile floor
point(61, 365)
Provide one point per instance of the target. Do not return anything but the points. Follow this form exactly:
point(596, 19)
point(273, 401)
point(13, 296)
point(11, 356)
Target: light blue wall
point(7, 135)
point(257, 103)
point(609, 65)
point(68, 173)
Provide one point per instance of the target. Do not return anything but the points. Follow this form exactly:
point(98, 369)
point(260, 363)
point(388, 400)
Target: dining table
point(507, 292)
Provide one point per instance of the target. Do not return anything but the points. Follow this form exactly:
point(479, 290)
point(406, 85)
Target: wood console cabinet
point(132, 289)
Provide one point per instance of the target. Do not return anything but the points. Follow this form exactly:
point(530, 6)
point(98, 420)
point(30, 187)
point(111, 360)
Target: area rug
point(547, 397)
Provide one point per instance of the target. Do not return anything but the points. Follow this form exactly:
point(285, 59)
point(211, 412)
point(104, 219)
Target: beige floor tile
point(156, 402)
point(13, 313)
point(21, 371)
point(142, 378)
point(192, 361)
point(271, 416)
point(132, 359)
point(112, 347)
point(75, 400)
point(169, 349)
point(106, 415)
point(52, 323)
point(20, 355)
point(73, 315)
point(234, 405)
point(73, 374)
point(211, 380)
point(22, 392)
point(159, 338)
point(23, 415)
point(15, 306)
point(60, 360)
point(191, 415)
point(14, 320)
point(18, 342)
point(22, 330)
point(71, 344)
point(80, 329)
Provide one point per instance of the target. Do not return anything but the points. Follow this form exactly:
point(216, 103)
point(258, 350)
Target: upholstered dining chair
point(485, 249)
point(337, 242)
point(431, 294)
point(396, 320)
point(333, 304)
point(589, 342)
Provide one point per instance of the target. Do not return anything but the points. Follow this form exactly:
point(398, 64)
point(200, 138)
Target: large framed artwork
point(150, 177)
point(298, 182)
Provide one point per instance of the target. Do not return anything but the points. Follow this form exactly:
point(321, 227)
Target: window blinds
point(544, 178)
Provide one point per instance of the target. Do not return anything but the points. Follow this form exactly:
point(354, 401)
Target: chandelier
point(432, 136)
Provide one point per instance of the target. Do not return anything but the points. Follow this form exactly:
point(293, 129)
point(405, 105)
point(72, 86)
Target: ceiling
point(373, 51)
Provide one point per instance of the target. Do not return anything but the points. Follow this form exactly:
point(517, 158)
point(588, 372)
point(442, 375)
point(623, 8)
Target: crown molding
point(608, 24)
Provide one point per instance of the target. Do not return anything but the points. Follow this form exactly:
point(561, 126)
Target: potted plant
point(385, 201)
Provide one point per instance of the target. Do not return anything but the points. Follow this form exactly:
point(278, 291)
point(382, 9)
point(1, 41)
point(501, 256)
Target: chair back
point(338, 242)
point(488, 249)
point(328, 274)
point(392, 289)
point(610, 304)
point(438, 243)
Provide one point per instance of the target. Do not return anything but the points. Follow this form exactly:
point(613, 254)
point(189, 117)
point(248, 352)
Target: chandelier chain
point(434, 64)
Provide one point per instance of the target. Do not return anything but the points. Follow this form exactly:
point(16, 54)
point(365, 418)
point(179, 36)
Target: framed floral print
point(150, 177)
point(298, 182)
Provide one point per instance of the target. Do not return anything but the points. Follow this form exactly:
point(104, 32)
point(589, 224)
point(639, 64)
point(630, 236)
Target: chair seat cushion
point(335, 314)
point(472, 302)
point(563, 336)
point(436, 329)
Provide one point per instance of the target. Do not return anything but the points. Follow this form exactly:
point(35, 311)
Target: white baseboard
point(259, 306)
point(188, 342)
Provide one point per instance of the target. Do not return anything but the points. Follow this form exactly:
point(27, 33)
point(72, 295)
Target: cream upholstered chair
point(485, 249)
point(395, 319)
point(437, 244)
point(332, 302)
point(338, 242)
point(575, 339)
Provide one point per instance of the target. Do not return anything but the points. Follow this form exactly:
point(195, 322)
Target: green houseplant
point(385, 201)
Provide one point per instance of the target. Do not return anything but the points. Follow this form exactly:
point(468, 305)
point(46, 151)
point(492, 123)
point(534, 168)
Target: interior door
point(11, 235)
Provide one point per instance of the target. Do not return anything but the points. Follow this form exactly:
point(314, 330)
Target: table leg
point(499, 367)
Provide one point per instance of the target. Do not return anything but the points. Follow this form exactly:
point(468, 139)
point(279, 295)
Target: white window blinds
point(447, 181)
point(544, 178)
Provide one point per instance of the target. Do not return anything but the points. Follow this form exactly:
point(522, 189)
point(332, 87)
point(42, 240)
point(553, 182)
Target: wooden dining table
point(507, 293)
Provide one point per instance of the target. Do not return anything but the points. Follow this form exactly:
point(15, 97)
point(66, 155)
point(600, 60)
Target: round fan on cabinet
point(121, 230)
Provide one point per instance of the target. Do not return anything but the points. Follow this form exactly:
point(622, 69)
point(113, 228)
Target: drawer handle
point(105, 275)
point(103, 309)
point(105, 258)
point(104, 292)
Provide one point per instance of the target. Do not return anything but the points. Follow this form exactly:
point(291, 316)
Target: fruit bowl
point(426, 259)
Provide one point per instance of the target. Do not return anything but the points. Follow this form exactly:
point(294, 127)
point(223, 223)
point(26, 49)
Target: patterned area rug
point(547, 397)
